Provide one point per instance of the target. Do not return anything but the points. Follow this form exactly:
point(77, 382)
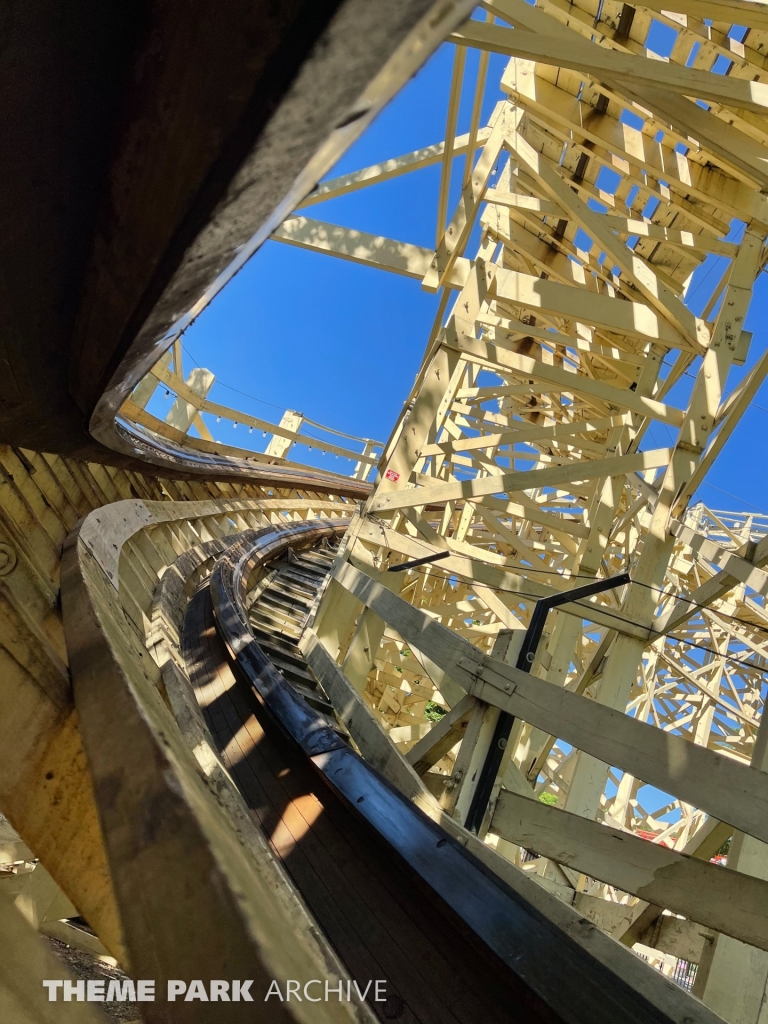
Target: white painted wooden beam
point(723, 900)
point(730, 791)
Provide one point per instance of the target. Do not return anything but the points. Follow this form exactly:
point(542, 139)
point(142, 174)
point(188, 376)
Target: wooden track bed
point(375, 914)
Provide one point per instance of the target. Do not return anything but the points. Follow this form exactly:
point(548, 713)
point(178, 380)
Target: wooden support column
point(361, 653)
point(506, 648)
point(25, 962)
point(626, 654)
point(420, 424)
point(733, 976)
point(182, 413)
point(279, 446)
point(334, 617)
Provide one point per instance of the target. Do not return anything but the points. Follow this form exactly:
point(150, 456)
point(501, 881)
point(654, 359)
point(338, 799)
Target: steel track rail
point(544, 972)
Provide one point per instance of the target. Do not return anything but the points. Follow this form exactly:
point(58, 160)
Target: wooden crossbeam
point(428, 156)
point(441, 737)
point(625, 227)
point(594, 60)
point(526, 366)
point(708, 592)
point(707, 552)
point(361, 247)
point(519, 289)
point(654, 291)
point(727, 901)
point(729, 12)
point(472, 565)
point(508, 483)
point(730, 791)
point(525, 434)
point(629, 318)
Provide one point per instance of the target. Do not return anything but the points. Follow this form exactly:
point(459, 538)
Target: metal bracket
point(480, 672)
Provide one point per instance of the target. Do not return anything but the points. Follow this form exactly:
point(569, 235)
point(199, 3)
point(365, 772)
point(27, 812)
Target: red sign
point(391, 475)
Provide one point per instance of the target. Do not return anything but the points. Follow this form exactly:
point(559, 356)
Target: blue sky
point(342, 343)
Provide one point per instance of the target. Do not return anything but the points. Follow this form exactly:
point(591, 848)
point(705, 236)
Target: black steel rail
point(140, 443)
point(540, 971)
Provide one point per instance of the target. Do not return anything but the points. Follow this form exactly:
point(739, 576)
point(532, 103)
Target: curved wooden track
point(379, 920)
point(590, 358)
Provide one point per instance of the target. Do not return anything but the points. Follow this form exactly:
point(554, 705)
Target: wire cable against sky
point(584, 576)
point(735, 498)
point(658, 633)
point(263, 401)
point(752, 405)
point(253, 398)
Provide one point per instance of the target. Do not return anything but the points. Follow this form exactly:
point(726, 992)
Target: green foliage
point(433, 712)
point(723, 851)
point(548, 798)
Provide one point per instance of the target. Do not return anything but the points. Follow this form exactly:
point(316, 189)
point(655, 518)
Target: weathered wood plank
point(723, 900)
point(730, 791)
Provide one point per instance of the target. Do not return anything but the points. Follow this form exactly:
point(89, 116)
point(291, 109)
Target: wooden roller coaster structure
point(486, 713)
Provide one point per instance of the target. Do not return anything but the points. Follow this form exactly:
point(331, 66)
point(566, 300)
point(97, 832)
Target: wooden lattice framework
point(560, 349)
point(525, 453)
